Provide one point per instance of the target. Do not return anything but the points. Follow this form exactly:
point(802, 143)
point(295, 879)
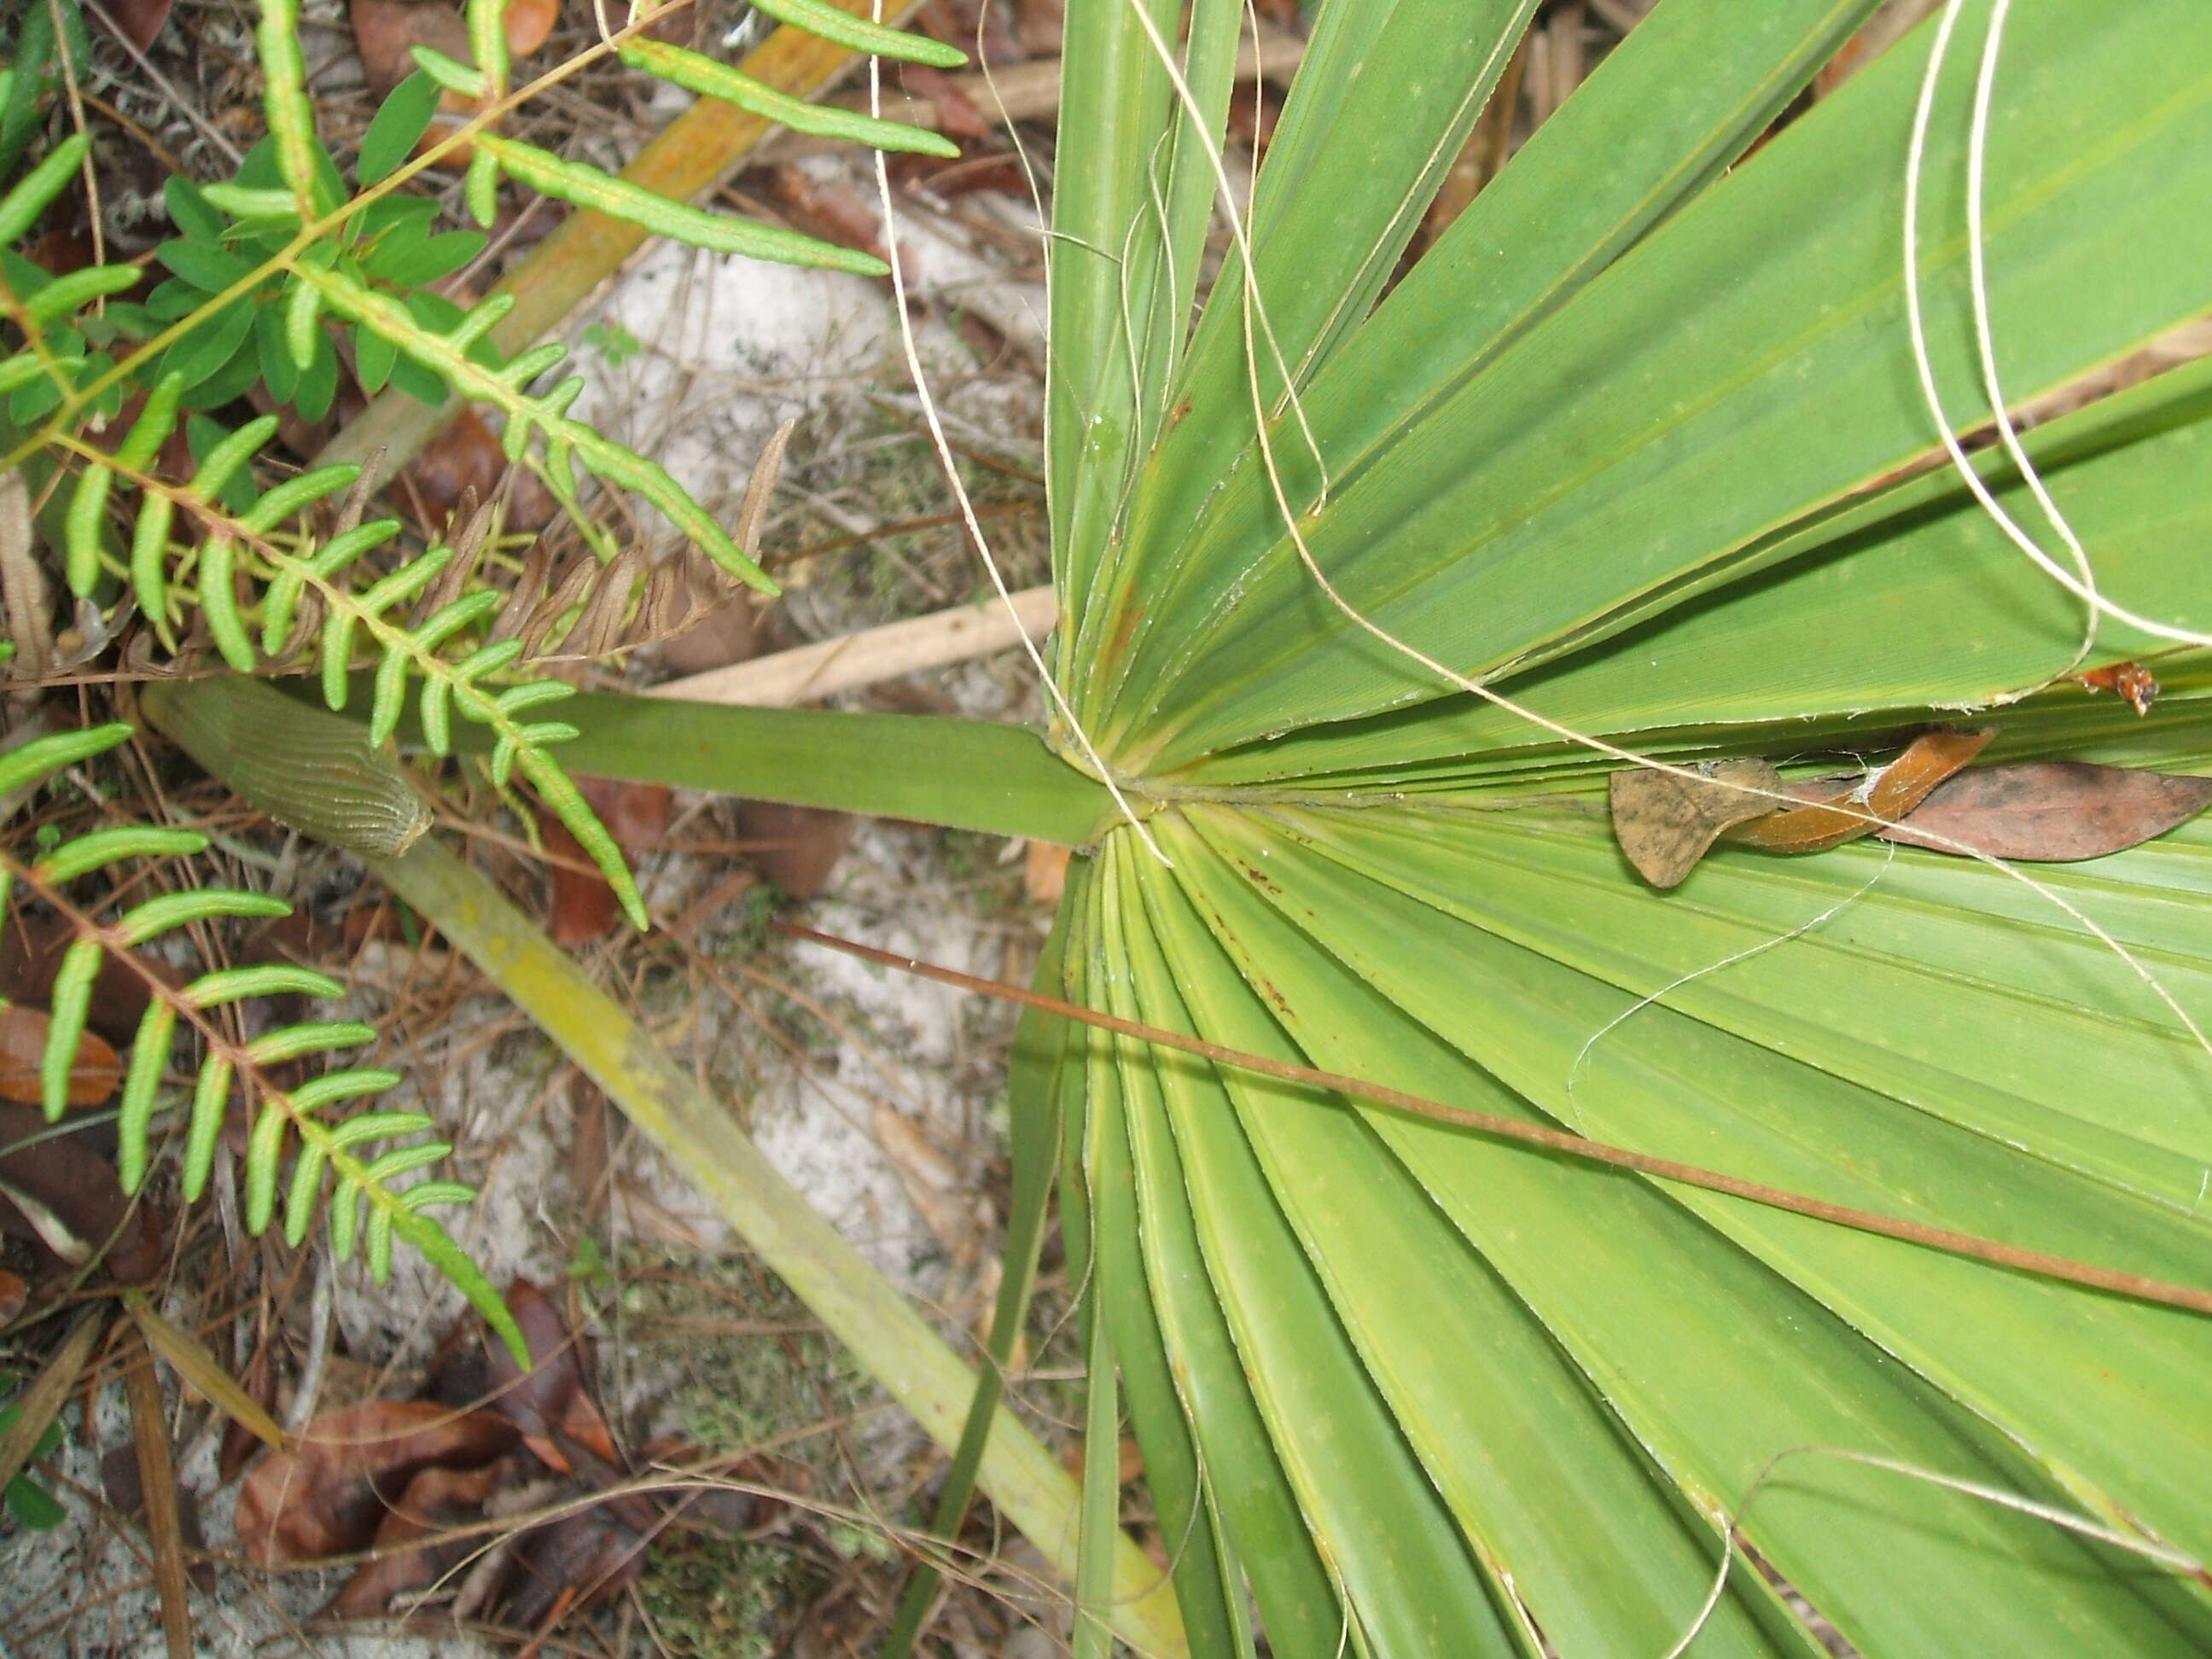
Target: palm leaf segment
point(1619, 446)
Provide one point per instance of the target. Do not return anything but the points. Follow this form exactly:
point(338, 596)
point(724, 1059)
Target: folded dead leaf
point(331, 1494)
point(1665, 823)
point(1840, 812)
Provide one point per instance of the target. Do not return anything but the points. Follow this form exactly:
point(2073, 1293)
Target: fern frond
point(261, 267)
point(696, 72)
point(352, 1158)
point(501, 388)
point(586, 187)
point(409, 653)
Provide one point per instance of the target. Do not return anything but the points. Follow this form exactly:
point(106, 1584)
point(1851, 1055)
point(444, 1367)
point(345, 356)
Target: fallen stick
point(874, 654)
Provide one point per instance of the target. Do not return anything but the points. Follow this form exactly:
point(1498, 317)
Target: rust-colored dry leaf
point(464, 461)
point(386, 33)
point(956, 114)
point(14, 1293)
point(1044, 872)
point(528, 24)
point(1838, 816)
point(138, 21)
point(79, 1206)
point(551, 1402)
point(582, 1558)
point(93, 1075)
point(1665, 823)
point(584, 908)
point(794, 847)
point(331, 1494)
point(436, 1501)
point(2134, 685)
point(2052, 811)
point(637, 815)
point(31, 950)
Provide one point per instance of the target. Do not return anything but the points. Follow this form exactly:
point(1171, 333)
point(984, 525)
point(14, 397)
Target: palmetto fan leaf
point(1625, 445)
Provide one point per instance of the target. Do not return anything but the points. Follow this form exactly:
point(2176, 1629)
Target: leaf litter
point(497, 1493)
point(1928, 797)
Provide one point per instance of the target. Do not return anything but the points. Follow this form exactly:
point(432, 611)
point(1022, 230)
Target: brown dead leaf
point(550, 1403)
point(581, 1559)
point(31, 949)
point(14, 1293)
point(637, 815)
point(794, 847)
point(436, 1501)
point(2135, 685)
point(836, 212)
point(1838, 812)
point(726, 631)
point(583, 909)
point(93, 1075)
point(239, 1442)
point(331, 1494)
point(138, 21)
point(2053, 811)
point(75, 1204)
point(386, 33)
point(956, 114)
point(1044, 872)
point(529, 23)
point(464, 460)
point(1666, 823)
